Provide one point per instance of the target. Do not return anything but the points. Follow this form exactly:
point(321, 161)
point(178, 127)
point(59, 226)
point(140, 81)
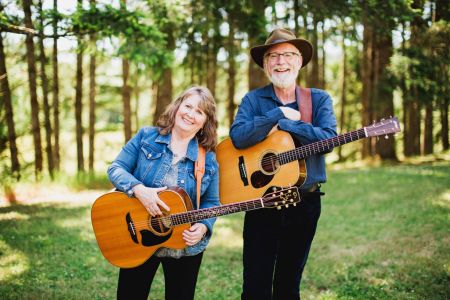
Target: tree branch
point(18, 29)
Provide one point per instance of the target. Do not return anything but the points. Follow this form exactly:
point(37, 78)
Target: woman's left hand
point(194, 234)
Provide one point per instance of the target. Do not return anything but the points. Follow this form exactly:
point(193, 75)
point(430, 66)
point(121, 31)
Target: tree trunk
point(417, 29)
point(126, 98)
point(92, 94)
point(313, 78)
point(231, 49)
point(164, 91)
point(367, 86)
point(79, 104)
point(5, 96)
point(384, 93)
point(256, 36)
point(55, 90)
point(45, 92)
point(428, 130)
point(343, 92)
point(444, 103)
point(323, 65)
point(31, 60)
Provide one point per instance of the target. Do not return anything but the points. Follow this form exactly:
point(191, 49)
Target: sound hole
point(160, 225)
point(269, 163)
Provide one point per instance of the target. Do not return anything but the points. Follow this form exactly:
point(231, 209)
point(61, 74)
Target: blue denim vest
point(146, 159)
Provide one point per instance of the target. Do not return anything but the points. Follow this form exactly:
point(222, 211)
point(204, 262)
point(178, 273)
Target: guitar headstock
point(281, 197)
point(384, 127)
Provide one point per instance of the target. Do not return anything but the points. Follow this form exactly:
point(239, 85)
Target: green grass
point(383, 234)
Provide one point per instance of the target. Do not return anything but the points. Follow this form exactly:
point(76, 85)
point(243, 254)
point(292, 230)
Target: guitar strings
point(191, 216)
point(309, 148)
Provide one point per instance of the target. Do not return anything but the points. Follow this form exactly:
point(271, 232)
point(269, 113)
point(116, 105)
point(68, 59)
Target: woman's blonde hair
point(207, 136)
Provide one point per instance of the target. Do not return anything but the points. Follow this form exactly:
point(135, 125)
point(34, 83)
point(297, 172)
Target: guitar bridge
point(131, 228)
point(243, 170)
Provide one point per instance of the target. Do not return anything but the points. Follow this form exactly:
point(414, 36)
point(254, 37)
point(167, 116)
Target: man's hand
point(290, 113)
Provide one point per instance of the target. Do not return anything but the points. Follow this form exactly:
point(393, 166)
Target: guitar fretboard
point(207, 213)
point(320, 146)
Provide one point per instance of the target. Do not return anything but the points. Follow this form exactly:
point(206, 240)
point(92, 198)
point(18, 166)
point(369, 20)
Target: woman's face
point(189, 117)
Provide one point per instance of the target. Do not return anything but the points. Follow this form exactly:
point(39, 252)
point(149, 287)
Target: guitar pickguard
point(149, 239)
point(259, 179)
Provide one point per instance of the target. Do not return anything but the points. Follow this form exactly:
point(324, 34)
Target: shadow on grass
point(48, 251)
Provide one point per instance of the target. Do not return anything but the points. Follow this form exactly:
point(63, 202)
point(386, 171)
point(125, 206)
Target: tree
point(31, 60)
point(6, 104)
point(92, 94)
point(78, 100)
point(45, 92)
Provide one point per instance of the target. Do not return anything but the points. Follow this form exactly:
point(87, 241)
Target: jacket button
point(182, 180)
point(149, 155)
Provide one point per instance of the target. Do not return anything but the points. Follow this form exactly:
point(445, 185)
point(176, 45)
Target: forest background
point(79, 78)
point(83, 69)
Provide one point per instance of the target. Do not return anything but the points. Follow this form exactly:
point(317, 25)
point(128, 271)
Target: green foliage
point(383, 234)
point(140, 42)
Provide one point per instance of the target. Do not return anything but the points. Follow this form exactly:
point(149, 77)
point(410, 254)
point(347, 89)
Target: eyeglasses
point(274, 56)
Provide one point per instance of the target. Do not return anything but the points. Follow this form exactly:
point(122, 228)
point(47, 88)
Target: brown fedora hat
point(278, 36)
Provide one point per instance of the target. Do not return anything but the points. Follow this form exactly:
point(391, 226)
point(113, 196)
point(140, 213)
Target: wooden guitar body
point(127, 235)
point(248, 173)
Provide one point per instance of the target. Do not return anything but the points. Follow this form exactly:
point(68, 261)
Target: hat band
point(278, 41)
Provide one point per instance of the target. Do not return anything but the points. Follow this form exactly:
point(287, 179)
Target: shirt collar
point(268, 92)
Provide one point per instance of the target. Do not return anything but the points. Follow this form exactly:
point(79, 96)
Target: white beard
point(283, 80)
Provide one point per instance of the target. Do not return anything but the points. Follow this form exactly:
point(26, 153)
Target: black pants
point(180, 277)
point(276, 247)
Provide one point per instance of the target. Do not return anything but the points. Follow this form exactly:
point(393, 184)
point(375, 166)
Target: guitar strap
point(305, 105)
point(199, 171)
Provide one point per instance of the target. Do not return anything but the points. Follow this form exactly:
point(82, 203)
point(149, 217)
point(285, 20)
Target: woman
point(162, 156)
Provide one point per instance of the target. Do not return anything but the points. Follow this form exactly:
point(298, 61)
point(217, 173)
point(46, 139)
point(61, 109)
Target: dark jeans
point(180, 277)
point(276, 247)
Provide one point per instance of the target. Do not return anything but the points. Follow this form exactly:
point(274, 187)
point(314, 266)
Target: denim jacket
point(146, 159)
point(259, 112)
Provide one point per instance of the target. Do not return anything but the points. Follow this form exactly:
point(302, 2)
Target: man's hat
point(278, 36)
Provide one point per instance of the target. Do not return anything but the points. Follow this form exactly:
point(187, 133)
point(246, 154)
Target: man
point(277, 243)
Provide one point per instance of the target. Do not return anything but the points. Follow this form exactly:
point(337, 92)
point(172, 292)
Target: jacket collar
point(192, 150)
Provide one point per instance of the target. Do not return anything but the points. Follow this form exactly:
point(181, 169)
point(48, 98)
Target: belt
point(314, 187)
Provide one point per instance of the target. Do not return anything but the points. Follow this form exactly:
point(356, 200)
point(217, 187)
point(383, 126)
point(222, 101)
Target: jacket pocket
point(149, 160)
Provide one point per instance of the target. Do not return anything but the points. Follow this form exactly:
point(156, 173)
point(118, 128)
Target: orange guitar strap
point(304, 101)
point(199, 171)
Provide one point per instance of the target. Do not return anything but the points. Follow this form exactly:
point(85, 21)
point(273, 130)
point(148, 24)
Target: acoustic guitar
point(278, 161)
point(128, 235)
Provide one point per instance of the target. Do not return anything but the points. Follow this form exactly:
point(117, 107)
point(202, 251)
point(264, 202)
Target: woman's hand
point(149, 198)
point(194, 234)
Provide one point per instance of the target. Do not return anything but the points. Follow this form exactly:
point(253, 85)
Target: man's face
point(282, 63)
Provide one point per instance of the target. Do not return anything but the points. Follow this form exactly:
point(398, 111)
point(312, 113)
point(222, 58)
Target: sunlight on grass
point(12, 262)
point(225, 236)
point(443, 200)
point(13, 215)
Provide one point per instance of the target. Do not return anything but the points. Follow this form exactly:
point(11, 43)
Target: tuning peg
point(278, 207)
point(383, 119)
point(378, 138)
point(295, 204)
point(386, 136)
point(287, 205)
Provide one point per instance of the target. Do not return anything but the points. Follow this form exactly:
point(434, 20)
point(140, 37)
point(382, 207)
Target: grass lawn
point(383, 234)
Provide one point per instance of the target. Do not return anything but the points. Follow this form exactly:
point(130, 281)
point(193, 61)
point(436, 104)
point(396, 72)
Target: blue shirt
point(259, 112)
point(146, 159)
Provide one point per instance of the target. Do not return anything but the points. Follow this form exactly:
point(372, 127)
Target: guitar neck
point(207, 213)
point(321, 146)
